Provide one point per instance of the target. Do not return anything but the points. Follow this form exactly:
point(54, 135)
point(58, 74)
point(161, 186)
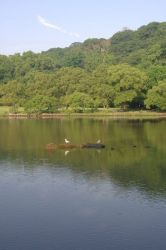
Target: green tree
point(6, 69)
point(156, 97)
point(79, 100)
point(41, 104)
point(69, 80)
point(129, 84)
point(156, 74)
point(12, 93)
point(104, 95)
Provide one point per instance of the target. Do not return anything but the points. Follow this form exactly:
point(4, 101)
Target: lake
point(83, 199)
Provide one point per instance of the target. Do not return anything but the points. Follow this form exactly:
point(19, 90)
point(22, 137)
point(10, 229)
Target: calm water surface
point(83, 199)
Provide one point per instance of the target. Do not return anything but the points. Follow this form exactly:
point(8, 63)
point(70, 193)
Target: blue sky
point(38, 25)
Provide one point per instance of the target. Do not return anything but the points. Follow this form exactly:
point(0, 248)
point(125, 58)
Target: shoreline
point(119, 115)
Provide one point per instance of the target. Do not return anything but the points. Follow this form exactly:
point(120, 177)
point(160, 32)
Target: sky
point(39, 25)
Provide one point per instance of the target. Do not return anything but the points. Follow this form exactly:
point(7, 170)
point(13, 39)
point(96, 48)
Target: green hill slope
point(127, 70)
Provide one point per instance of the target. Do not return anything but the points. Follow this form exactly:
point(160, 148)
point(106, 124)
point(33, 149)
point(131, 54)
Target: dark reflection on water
point(113, 198)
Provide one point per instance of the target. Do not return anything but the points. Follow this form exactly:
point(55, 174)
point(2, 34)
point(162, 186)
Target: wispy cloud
point(44, 22)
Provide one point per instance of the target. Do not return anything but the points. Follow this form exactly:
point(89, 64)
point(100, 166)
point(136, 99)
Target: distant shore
point(119, 114)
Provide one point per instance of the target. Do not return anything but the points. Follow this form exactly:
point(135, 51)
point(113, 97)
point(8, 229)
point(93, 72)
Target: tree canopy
point(126, 70)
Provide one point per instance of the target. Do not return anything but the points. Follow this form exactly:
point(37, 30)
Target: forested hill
point(144, 46)
point(127, 70)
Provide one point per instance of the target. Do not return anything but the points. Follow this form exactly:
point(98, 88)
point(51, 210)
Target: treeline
point(126, 71)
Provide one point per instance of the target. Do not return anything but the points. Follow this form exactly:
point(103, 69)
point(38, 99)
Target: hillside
point(127, 46)
point(127, 70)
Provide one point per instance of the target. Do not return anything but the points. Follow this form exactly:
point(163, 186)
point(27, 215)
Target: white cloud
point(53, 26)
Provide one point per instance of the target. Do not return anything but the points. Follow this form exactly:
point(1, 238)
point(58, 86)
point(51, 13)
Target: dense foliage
point(127, 71)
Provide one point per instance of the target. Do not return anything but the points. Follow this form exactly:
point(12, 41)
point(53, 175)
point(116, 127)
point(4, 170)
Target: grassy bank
point(6, 111)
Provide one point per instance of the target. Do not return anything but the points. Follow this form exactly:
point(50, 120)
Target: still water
point(83, 199)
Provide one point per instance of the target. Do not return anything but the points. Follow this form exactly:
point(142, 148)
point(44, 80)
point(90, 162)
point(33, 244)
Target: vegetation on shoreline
point(127, 71)
point(6, 111)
